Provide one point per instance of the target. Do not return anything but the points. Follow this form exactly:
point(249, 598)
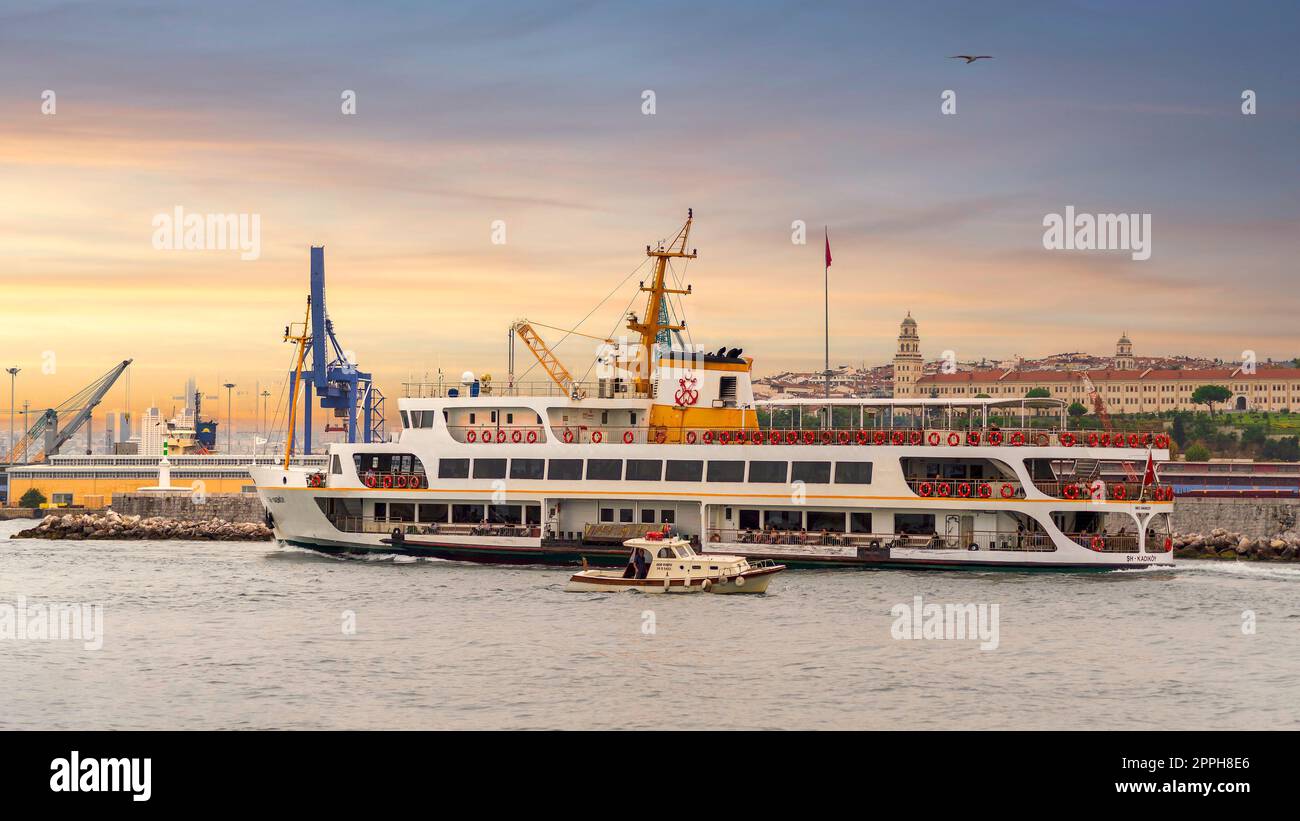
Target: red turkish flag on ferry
point(1149, 477)
point(828, 250)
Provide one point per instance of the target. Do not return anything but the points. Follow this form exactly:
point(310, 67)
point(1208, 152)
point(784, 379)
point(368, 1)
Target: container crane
point(45, 437)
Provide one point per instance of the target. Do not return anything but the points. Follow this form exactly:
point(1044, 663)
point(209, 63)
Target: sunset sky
point(766, 113)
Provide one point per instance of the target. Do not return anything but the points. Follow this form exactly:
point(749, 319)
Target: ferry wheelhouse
point(566, 473)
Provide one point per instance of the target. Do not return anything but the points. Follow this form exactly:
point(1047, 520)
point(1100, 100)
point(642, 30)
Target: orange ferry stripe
point(616, 495)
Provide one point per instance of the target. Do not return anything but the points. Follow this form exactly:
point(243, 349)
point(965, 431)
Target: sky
point(533, 115)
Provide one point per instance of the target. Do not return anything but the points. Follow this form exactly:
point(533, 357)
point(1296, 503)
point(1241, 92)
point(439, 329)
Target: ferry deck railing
point(368, 524)
point(1009, 489)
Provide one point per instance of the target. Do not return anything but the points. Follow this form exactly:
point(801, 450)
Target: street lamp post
point(13, 375)
point(230, 388)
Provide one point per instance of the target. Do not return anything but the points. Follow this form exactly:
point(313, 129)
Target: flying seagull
point(970, 59)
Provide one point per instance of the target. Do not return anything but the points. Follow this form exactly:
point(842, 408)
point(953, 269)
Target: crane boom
point(1098, 404)
point(546, 357)
point(47, 435)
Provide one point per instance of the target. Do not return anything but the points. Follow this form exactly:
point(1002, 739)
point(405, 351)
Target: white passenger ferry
point(564, 475)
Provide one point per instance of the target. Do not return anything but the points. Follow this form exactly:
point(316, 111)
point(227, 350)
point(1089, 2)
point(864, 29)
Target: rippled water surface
point(239, 635)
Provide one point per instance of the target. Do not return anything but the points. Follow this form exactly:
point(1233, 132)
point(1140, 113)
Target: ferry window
point(783, 519)
point(625, 515)
point(336, 466)
point(647, 517)
point(853, 473)
point(505, 514)
point(510, 418)
point(527, 468)
point(684, 470)
point(644, 470)
point(668, 516)
point(564, 469)
point(914, 523)
point(467, 514)
point(826, 520)
point(489, 468)
point(436, 513)
point(604, 417)
point(471, 418)
point(605, 469)
point(539, 419)
point(633, 417)
point(406, 423)
point(768, 471)
point(494, 417)
point(720, 471)
point(859, 522)
point(453, 468)
point(749, 520)
point(381, 510)
point(813, 473)
point(401, 512)
point(607, 514)
point(533, 514)
point(427, 420)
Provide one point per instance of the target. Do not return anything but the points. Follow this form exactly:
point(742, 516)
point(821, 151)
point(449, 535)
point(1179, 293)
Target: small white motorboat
point(662, 564)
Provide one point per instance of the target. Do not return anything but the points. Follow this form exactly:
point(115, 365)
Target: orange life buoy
point(934, 438)
point(944, 489)
point(1067, 440)
point(926, 489)
point(826, 437)
point(627, 437)
point(690, 437)
point(954, 439)
point(843, 437)
point(707, 438)
point(516, 436)
point(791, 437)
point(878, 437)
point(370, 480)
point(471, 436)
point(568, 435)
point(1017, 439)
point(1098, 543)
point(898, 437)
point(863, 437)
point(1105, 440)
point(724, 437)
point(487, 437)
point(914, 438)
point(416, 480)
point(1092, 440)
point(388, 480)
point(973, 437)
point(532, 436)
point(985, 490)
point(597, 437)
point(963, 489)
point(661, 436)
point(995, 437)
point(1071, 490)
point(399, 481)
point(809, 437)
point(501, 436)
point(1162, 441)
point(1118, 490)
point(1008, 490)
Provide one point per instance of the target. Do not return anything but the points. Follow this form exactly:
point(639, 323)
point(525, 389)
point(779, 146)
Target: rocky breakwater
point(1224, 544)
point(113, 525)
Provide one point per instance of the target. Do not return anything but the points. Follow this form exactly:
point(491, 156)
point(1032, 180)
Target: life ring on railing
point(388, 480)
point(963, 489)
point(1093, 439)
point(954, 439)
point(791, 437)
point(809, 437)
point(863, 437)
point(1098, 543)
point(531, 437)
point(827, 436)
point(628, 437)
point(995, 437)
point(690, 437)
point(486, 438)
point(898, 437)
point(926, 489)
point(597, 437)
point(1105, 440)
point(1008, 490)
point(661, 436)
point(1070, 490)
point(914, 438)
point(1041, 440)
point(501, 436)
point(878, 437)
point(707, 438)
point(471, 436)
point(842, 437)
point(1135, 440)
point(724, 437)
point(1066, 439)
point(399, 481)
point(985, 491)
point(1118, 490)
point(416, 481)
point(568, 435)
point(933, 438)
point(1017, 439)
point(1161, 441)
point(944, 489)
point(1169, 544)
point(517, 436)
point(972, 437)
point(370, 480)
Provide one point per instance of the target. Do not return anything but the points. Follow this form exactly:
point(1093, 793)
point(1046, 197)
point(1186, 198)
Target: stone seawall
point(228, 507)
point(1250, 517)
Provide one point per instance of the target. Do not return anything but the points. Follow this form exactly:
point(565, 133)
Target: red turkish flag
point(1149, 478)
point(828, 250)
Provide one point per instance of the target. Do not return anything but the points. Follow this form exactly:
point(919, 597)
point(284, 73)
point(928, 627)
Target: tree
point(1178, 431)
point(1198, 453)
point(32, 498)
point(982, 396)
point(1254, 434)
point(1038, 393)
point(1077, 409)
point(1209, 395)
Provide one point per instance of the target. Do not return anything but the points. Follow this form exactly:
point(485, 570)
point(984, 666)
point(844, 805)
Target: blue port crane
point(340, 386)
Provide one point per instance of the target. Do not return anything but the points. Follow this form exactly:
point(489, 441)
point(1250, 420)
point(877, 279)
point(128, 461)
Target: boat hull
point(751, 581)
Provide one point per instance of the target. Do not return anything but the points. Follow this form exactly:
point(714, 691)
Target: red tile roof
point(1106, 375)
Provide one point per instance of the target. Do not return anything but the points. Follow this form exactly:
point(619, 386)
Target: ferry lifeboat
point(660, 564)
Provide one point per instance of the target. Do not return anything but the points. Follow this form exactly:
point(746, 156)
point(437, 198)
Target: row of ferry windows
point(656, 470)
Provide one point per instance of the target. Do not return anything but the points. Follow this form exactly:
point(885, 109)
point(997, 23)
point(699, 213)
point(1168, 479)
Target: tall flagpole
point(826, 272)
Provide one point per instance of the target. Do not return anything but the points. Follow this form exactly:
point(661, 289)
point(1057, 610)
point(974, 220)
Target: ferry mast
point(655, 320)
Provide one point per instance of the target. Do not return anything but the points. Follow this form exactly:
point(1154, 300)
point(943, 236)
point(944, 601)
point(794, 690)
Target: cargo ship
point(668, 435)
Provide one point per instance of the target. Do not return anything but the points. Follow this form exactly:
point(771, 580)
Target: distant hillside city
point(1130, 383)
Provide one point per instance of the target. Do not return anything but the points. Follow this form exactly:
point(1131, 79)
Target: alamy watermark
point(1098, 232)
point(946, 621)
point(181, 231)
point(55, 621)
